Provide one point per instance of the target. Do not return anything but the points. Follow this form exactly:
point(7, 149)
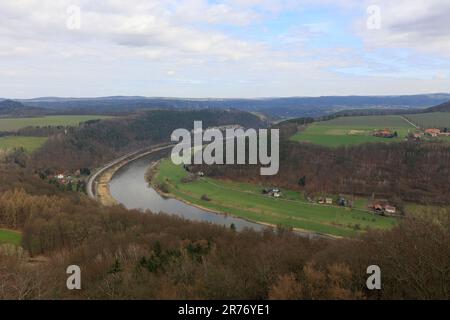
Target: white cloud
point(201, 48)
point(416, 24)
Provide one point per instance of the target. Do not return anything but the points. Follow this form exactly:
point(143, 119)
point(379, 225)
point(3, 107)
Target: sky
point(223, 49)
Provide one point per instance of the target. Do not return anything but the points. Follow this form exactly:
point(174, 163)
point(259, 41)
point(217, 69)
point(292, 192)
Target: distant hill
point(444, 107)
point(10, 108)
point(277, 108)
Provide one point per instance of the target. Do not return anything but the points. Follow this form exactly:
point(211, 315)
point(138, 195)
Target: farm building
point(325, 201)
point(433, 132)
point(383, 207)
point(385, 133)
point(274, 192)
point(390, 209)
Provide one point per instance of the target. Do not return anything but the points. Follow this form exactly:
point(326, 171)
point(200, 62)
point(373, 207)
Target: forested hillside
point(10, 108)
point(445, 107)
point(130, 255)
point(96, 142)
point(407, 171)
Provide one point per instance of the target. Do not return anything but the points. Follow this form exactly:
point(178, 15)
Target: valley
point(246, 201)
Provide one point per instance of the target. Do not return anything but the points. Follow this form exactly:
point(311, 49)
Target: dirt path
point(411, 123)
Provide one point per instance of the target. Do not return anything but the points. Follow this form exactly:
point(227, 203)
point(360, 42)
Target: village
point(417, 136)
point(67, 181)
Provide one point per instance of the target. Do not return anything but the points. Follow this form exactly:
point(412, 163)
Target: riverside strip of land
point(98, 183)
point(246, 201)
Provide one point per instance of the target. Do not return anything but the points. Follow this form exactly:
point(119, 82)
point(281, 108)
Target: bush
point(164, 187)
point(205, 198)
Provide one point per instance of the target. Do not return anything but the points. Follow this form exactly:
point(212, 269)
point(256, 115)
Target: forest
point(405, 171)
point(130, 255)
point(97, 142)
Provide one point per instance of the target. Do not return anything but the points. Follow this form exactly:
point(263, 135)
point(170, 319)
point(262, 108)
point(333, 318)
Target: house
point(321, 201)
point(385, 133)
point(390, 209)
point(433, 132)
point(377, 208)
point(328, 200)
point(201, 174)
point(383, 207)
point(342, 201)
point(274, 192)
point(60, 176)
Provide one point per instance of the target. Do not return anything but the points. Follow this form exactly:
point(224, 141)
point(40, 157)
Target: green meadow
point(14, 124)
point(10, 237)
point(347, 131)
point(430, 120)
point(246, 201)
point(30, 144)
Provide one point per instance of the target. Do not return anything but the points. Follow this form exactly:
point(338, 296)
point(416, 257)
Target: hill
point(445, 107)
point(10, 108)
point(286, 107)
point(99, 141)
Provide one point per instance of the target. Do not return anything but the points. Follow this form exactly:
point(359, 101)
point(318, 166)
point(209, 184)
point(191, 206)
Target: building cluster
point(384, 133)
point(433, 132)
point(383, 207)
point(74, 181)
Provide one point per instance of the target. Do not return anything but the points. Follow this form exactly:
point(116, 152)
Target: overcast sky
point(233, 48)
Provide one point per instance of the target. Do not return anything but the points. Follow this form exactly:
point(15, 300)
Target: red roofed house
point(433, 132)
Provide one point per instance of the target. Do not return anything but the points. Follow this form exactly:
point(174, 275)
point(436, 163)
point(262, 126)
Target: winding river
point(128, 186)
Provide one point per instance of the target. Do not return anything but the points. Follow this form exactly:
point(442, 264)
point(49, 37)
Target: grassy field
point(28, 143)
point(431, 120)
point(246, 201)
point(14, 124)
point(346, 131)
point(12, 237)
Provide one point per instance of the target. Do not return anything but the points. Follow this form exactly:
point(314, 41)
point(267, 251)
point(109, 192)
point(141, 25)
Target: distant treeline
point(274, 107)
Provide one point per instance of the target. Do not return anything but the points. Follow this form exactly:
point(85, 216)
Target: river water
point(128, 186)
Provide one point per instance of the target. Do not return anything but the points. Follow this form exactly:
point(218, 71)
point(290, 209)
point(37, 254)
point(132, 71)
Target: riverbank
point(98, 183)
point(153, 171)
point(103, 193)
point(206, 194)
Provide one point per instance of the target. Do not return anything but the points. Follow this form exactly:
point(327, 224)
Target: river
point(128, 187)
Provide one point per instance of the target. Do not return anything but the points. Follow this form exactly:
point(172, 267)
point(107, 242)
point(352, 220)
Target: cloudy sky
point(231, 48)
